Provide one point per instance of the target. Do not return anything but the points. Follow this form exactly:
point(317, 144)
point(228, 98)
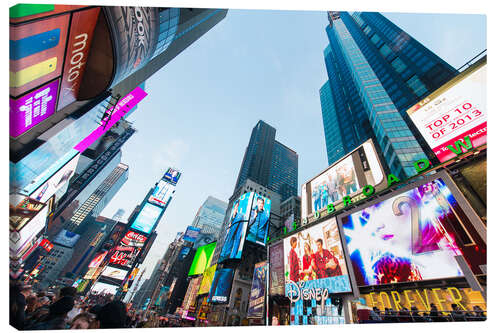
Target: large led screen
point(115, 273)
point(407, 237)
point(162, 193)
point(258, 224)
point(454, 111)
point(258, 291)
point(346, 177)
point(66, 238)
point(202, 259)
point(314, 258)
point(104, 288)
point(221, 286)
point(276, 269)
point(147, 218)
point(191, 234)
point(172, 175)
point(98, 259)
point(206, 282)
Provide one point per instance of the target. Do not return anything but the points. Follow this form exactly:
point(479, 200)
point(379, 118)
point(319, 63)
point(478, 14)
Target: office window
point(385, 50)
point(375, 39)
point(417, 86)
point(398, 65)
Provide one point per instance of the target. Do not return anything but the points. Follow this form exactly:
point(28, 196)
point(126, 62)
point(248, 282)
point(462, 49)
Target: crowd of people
point(66, 310)
point(414, 315)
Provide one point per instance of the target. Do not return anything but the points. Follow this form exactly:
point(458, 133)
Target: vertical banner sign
point(453, 112)
point(258, 291)
point(33, 108)
point(80, 40)
point(276, 269)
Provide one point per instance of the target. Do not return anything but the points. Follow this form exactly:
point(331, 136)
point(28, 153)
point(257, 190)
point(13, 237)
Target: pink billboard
point(123, 106)
point(33, 108)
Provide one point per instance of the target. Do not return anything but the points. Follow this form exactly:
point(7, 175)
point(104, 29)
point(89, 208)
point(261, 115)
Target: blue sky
point(253, 65)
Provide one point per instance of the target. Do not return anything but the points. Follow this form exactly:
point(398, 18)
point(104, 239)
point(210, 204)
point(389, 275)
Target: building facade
point(210, 216)
point(376, 72)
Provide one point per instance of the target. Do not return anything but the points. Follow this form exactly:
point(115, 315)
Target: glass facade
point(386, 71)
point(210, 216)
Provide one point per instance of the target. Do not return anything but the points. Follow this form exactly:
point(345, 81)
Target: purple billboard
point(33, 108)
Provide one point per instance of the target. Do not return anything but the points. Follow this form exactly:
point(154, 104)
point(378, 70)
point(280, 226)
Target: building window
point(375, 39)
point(417, 86)
point(385, 50)
point(398, 65)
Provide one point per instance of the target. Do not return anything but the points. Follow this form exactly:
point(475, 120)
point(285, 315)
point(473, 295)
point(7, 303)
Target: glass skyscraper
point(269, 162)
point(210, 216)
point(376, 71)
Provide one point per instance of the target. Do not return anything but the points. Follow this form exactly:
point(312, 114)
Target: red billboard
point(79, 42)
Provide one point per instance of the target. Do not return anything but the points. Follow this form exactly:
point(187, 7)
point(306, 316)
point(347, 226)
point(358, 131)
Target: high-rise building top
point(269, 162)
point(376, 71)
point(210, 216)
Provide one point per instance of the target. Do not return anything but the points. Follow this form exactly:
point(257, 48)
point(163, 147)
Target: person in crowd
point(56, 318)
point(456, 313)
point(293, 261)
point(83, 321)
point(375, 315)
point(17, 304)
point(325, 264)
point(416, 317)
point(478, 313)
point(31, 304)
point(112, 315)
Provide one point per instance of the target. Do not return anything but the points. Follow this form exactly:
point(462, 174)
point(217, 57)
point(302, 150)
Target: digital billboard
point(36, 53)
point(191, 234)
point(191, 292)
point(133, 239)
point(162, 296)
point(146, 219)
point(22, 239)
point(258, 291)
point(314, 259)
point(276, 269)
point(258, 224)
point(31, 109)
point(66, 238)
point(104, 288)
point(115, 273)
point(206, 282)
point(221, 286)
point(172, 175)
point(184, 252)
point(162, 193)
point(346, 177)
point(454, 111)
point(98, 259)
point(56, 182)
point(407, 237)
point(202, 259)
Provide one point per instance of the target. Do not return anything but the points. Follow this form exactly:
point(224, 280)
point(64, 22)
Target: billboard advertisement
point(127, 251)
point(192, 291)
point(276, 269)
point(22, 239)
point(56, 182)
point(258, 225)
point(346, 177)
point(206, 282)
point(412, 236)
point(221, 286)
point(314, 259)
point(202, 259)
point(172, 176)
point(454, 111)
point(27, 12)
point(258, 291)
point(184, 252)
point(104, 288)
point(133, 239)
point(162, 193)
point(31, 109)
point(66, 238)
point(146, 219)
point(36, 53)
point(123, 106)
point(80, 39)
point(232, 247)
point(115, 273)
point(98, 259)
point(162, 296)
point(191, 234)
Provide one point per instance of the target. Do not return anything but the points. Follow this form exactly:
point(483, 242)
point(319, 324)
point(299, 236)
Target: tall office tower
point(269, 162)
point(376, 71)
point(95, 52)
point(210, 216)
point(119, 214)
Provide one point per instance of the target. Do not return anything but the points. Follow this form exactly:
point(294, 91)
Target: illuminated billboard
point(276, 269)
point(172, 176)
point(128, 250)
point(104, 288)
point(258, 224)
point(258, 291)
point(314, 259)
point(146, 219)
point(221, 286)
point(98, 259)
point(202, 259)
point(33, 108)
point(454, 111)
point(66, 238)
point(23, 238)
point(346, 177)
point(191, 292)
point(162, 193)
point(191, 234)
point(206, 282)
point(411, 236)
point(56, 182)
point(115, 273)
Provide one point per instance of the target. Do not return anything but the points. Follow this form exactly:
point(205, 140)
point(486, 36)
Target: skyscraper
point(210, 216)
point(269, 162)
point(376, 72)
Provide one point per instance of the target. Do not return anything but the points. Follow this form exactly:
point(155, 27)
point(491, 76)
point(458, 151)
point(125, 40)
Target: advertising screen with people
point(258, 224)
point(221, 286)
point(407, 237)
